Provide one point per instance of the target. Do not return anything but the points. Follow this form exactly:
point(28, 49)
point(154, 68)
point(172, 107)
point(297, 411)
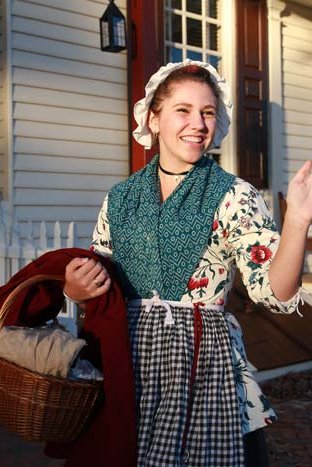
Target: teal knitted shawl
point(157, 246)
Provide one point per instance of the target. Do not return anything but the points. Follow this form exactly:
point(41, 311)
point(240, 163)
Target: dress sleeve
point(101, 241)
point(253, 239)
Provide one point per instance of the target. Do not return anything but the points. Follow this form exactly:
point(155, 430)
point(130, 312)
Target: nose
point(197, 121)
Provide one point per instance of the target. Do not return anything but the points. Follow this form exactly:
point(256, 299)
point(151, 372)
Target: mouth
point(193, 139)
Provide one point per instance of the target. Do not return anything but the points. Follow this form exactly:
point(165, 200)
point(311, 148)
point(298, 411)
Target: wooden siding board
point(53, 48)
point(48, 14)
point(51, 213)
point(292, 116)
point(298, 142)
point(298, 57)
point(299, 130)
point(293, 78)
point(55, 32)
point(297, 32)
point(297, 153)
point(298, 92)
point(303, 69)
point(297, 44)
point(53, 197)
point(60, 181)
point(303, 106)
point(48, 97)
point(53, 164)
point(70, 133)
point(86, 8)
point(63, 148)
point(75, 117)
point(27, 57)
point(293, 165)
point(71, 84)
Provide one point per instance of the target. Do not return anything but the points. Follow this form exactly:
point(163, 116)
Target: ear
point(153, 122)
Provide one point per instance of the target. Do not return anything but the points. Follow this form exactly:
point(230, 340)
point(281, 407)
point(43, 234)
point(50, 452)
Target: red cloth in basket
point(110, 440)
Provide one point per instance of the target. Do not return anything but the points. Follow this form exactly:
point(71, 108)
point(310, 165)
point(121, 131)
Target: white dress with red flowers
point(243, 236)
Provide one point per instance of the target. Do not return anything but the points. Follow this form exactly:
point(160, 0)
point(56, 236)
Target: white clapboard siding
point(35, 146)
point(297, 88)
point(296, 117)
point(69, 133)
point(70, 115)
point(63, 165)
point(65, 116)
point(71, 84)
point(71, 181)
point(292, 78)
point(62, 63)
point(73, 100)
point(56, 197)
point(55, 48)
point(2, 97)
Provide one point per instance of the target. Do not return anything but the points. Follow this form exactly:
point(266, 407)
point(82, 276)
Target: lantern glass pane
point(119, 32)
point(105, 33)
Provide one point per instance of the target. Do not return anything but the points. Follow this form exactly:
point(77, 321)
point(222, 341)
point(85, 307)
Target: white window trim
point(228, 54)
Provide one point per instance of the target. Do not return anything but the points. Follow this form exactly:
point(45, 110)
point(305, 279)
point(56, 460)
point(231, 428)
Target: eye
point(209, 113)
point(182, 110)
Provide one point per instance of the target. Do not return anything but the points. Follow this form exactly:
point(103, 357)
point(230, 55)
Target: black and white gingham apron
point(187, 407)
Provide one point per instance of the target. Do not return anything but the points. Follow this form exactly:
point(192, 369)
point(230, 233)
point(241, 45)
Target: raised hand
point(299, 196)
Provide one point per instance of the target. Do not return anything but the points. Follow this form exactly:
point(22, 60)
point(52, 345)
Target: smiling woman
point(177, 230)
point(185, 123)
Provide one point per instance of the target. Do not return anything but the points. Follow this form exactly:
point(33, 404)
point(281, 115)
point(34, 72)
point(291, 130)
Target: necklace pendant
point(177, 179)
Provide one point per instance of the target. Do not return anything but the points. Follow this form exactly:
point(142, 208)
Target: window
point(193, 30)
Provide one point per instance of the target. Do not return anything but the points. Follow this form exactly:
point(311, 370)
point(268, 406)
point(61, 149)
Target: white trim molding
point(229, 63)
point(275, 8)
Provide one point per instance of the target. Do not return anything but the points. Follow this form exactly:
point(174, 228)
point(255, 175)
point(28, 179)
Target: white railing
point(16, 251)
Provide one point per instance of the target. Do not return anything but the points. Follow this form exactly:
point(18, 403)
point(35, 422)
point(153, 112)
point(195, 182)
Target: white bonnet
point(142, 133)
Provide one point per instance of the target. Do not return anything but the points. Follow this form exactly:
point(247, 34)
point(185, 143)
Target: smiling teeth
point(192, 139)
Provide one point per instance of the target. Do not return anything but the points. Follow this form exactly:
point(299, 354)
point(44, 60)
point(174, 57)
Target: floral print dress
point(243, 236)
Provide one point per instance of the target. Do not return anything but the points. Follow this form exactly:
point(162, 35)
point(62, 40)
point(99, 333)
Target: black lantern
point(113, 29)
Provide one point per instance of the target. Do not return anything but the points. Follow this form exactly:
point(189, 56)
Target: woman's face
point(185, 123)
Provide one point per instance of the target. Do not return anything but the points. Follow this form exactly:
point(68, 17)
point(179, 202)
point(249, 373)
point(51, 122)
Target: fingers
point(86, 278)
point(303, 172)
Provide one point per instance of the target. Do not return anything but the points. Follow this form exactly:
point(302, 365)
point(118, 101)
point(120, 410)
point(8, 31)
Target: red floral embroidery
point(221, 270)
point(260, 254)
point(197, 283)
point(225, 234)
point(203, 282)
point(215, 225)
point(227, 204)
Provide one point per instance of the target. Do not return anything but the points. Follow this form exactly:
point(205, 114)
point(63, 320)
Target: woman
point(177, 230)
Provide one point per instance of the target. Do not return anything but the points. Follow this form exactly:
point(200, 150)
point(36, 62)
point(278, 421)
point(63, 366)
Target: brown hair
point(186, 73)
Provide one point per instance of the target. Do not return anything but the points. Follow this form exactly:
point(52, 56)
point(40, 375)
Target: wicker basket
point(39, 407)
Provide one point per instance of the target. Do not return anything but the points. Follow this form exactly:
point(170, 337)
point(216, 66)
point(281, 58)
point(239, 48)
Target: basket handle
point(5, 309)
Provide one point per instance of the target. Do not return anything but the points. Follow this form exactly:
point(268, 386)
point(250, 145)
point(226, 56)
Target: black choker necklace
point(172, 173)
